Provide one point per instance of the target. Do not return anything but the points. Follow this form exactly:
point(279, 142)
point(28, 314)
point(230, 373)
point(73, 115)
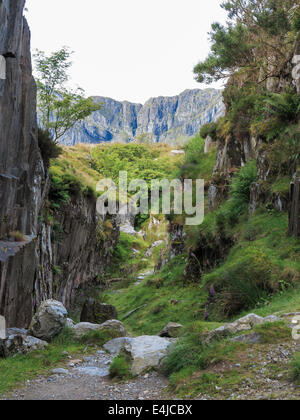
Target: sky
point(127, 49)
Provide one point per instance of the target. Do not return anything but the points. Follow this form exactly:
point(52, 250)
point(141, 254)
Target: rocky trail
point(262, 371)
point(88, 379)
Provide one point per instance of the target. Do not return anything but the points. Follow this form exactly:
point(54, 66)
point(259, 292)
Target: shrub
point(196, 163)
point(240, 193)
point(65, 338)
point(241, 185)
point(191, 354)
point(248, 277)
point(120, 368)
point(209, 130)
point(49, 149)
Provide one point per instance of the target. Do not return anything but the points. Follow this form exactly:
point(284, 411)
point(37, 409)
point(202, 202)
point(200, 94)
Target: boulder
point(84, 328)
point(115, 346)
point(243, 324)
point(16, 331)
point(70, 323)
point(60, 371)
point(128, 229)
point(171, 330)
point(149, 251)
point(49, 320)
point(115, 327)
point(217, 334)
point(252, 338)
point(271, 318)
point(251, 319)
point(145, 352)
point(97, 313)
point(20, 344)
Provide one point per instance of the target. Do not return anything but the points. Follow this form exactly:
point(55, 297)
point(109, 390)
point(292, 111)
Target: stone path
point(265, 371)
point(89, 380)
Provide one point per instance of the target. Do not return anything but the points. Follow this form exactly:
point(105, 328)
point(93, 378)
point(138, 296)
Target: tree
point(257, 37)
point(60, 107)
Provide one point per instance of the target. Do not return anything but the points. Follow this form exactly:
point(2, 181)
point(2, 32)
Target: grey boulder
point(171, 330)
point(251, 338)
point(20, 344)
point(96, 312)
point(113, 327)
point(49, 320)
point(115, 346)
point(145, 352)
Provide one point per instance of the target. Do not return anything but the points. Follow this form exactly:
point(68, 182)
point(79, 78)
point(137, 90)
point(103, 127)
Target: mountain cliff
point(162, 119)
point(43, 253)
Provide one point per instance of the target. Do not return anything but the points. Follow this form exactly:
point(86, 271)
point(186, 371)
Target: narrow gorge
point(146, 306)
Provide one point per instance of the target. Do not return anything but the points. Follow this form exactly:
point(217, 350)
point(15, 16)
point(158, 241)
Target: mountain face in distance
point(169, 120)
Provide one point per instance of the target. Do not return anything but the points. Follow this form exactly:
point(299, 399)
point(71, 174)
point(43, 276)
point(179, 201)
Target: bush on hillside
point(209, 130)
point(49, 149)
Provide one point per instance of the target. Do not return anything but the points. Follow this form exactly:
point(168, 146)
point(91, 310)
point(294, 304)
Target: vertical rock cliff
point(34, 264)
point(22, 174)
point(21, 168)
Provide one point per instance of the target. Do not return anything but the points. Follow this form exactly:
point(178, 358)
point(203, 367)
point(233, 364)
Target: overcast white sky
point(127, 49)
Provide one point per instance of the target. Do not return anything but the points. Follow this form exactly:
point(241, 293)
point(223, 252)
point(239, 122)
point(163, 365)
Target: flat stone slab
point(60, 371)
point(252, 338)
point(93, 371)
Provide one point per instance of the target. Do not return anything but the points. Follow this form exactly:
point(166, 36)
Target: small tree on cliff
point(258, 37)
point(60, 107)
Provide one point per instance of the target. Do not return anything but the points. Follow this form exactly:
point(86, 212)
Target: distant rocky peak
point(163, 119)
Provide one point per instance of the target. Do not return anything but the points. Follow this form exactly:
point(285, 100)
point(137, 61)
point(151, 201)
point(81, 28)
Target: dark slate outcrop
point(40, 267)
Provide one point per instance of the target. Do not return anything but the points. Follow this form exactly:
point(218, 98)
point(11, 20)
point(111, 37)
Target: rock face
point(115, 121)
point(49, 320)
point(82, 258)
point(294, 211)
point(22, 174)
point(163, 119)
point(21, 166)
point(27, 277)
point(296, 67)
point(97, 313)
